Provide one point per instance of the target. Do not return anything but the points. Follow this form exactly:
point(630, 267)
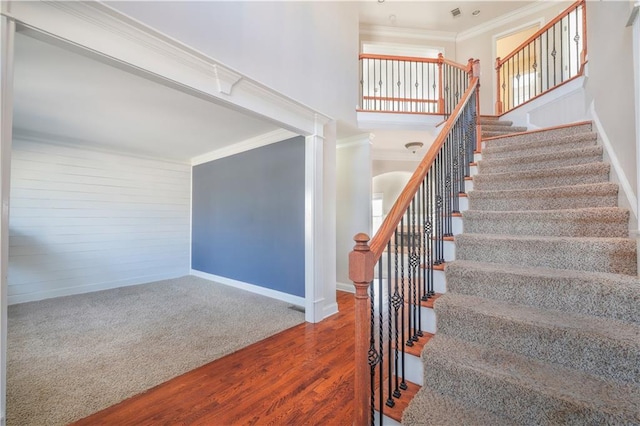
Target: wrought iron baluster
point(553, 54)
point(415, 262)
point(390, 402)
point(403, 384)
point(535, 66)
point(429, 228)
point(373, 358)
point(396, 303)
point(381, 344)
point(576, 38)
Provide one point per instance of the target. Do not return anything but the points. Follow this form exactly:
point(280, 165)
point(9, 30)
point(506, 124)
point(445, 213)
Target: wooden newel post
point(361, 268)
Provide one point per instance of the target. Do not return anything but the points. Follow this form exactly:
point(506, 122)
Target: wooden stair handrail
point(386, 230)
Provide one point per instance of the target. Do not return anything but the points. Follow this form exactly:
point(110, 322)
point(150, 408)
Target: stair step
point(585, 222)
point(548, 146)
point(494, 133)
point(598, 346)
point(563, 197)
point(590, 154)
point(612, 255)
point(494, 122)
point(543, 134)
point(561, 176)
point(523, 389)
point(591, 293)
point(498, 128)
point(432, 408)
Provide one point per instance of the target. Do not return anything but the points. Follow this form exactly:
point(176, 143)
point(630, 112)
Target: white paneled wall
point(84, 220)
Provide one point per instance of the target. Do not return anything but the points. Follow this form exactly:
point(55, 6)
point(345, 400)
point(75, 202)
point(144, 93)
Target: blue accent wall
point(248, 217)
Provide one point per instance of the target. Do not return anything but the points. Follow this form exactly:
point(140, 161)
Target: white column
point(320, 262)
point(314, 293)
point(330, 305)
point(7, 31)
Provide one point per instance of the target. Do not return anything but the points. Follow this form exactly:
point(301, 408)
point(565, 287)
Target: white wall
point(353, 201)
point(84, 220)
point(306, 50)
point(610, 81)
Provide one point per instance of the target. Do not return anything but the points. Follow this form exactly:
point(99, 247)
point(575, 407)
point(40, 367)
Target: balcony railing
point(404, 84)
point(554, 55)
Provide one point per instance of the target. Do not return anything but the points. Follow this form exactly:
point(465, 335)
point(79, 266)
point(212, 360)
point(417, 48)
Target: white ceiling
point(435, 15)
point(79, 100)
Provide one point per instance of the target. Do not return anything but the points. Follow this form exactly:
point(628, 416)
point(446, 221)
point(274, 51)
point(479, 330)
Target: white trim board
point(615, 163)
point(274, 294)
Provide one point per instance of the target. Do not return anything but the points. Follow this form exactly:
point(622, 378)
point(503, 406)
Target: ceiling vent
point(456, 12)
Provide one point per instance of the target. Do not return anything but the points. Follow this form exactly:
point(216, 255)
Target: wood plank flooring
point(303, 375)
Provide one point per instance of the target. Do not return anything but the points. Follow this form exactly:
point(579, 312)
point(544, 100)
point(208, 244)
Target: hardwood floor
point(303, 375)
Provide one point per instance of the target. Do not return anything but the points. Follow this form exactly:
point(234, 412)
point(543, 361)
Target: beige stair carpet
point(541, 322)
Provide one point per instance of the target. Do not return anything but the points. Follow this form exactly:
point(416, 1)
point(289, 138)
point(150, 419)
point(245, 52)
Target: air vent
point(456, 12)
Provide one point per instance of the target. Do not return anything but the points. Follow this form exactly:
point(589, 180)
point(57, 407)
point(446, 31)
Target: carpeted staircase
point(540, 324)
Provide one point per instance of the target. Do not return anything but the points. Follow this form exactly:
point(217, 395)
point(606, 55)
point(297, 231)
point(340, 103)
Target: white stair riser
point(477, 157)
point(473, 170)
point(456, 225)
point(439, 282)
point(413, 368)
point(449, 251)
point(468, 185)
point(463, 204)
point(428, 320)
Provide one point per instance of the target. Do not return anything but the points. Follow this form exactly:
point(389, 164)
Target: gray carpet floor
point(71, 356)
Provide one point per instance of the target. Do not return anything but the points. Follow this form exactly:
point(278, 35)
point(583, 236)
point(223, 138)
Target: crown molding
point(124, 41)
point(246, 145)
point(411, 33)
point(505, 19)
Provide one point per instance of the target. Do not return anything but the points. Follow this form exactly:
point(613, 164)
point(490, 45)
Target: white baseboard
point(274, 294)
point(349, 288)
point(615, 163)
point(70, 291)
point(327, 311)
